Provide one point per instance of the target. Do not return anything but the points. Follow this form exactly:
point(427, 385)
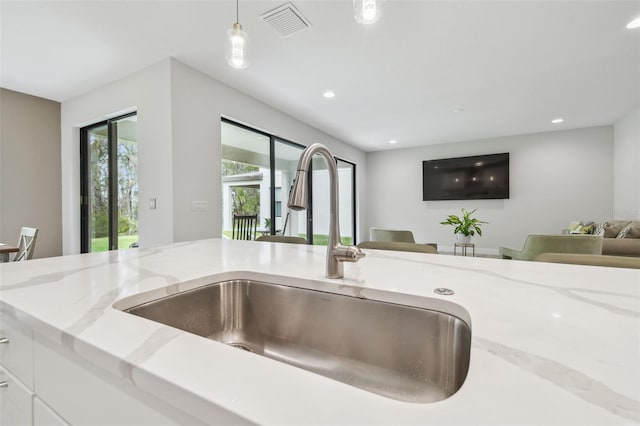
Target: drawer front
point(15, 401)
point(45, 416)
point(16, 350)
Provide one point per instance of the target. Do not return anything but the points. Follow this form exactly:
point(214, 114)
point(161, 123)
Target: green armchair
point(391, 235)
point(591, 260)
point(398, 246)
point(538, 244)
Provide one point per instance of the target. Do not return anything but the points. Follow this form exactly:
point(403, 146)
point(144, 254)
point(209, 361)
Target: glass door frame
point(272, 165)
point(85, 159)
point(353, 197)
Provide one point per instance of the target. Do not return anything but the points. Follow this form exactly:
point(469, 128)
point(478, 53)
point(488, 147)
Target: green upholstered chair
point(282, 239)
point(398, 246)
point(538, 244)
point(590, 259)
point(391, 235)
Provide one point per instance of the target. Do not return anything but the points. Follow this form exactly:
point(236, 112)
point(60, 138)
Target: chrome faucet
point(298, 200)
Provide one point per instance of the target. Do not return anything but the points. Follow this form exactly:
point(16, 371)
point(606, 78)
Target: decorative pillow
point(588, 229)
point(613, 227)
point(599, 229)
point(632, 230)
point(623, 232)
point(580, 228)
point(574, 227)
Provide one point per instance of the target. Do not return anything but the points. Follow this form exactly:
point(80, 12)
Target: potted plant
point(465, 226)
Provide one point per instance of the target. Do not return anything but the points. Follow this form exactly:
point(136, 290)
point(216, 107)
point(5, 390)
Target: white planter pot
point(464, 239)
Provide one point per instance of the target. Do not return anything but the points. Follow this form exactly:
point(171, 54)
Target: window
point(288, 222)
point(268, 164)
point(109, 185)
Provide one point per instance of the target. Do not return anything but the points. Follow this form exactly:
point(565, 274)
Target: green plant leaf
point(465, 225)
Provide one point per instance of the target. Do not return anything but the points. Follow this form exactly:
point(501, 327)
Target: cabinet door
point(16, 349)
point(83, 394)
point(15, 401)
point(45, 416)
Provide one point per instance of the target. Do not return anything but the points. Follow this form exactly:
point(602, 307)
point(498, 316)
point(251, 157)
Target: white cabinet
point(45, 384)
point(81, 393)
point(16, 349)
point(45, 416)
point(15, 401)
point(16, 373)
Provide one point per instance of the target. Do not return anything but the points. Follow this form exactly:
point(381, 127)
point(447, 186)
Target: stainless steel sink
point(402, 352)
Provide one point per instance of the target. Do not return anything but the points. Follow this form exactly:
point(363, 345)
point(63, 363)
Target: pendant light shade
point(236, 48)
point(367, 11)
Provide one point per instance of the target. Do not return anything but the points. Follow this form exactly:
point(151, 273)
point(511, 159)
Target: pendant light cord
point(237, 12)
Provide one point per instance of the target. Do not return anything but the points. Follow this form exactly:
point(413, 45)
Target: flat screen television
point(466, 178)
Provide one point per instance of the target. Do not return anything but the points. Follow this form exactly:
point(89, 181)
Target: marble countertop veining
point(551, 343)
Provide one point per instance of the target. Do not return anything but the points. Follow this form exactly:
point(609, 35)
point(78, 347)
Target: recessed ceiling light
point(457, 110)
point(329, 94)
point(557, 120)
point(393, 141)
point(634, 24)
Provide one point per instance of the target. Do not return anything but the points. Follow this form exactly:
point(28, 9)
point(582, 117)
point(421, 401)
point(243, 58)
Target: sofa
point(621, 237)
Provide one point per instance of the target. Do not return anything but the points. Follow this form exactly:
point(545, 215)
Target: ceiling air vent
point(286, 20)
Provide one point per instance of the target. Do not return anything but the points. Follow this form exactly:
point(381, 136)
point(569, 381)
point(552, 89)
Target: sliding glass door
point(347, 199)
point(246, 177)
point(257, 174)
point(287, 222)
point(321, 197)
point(109, 185)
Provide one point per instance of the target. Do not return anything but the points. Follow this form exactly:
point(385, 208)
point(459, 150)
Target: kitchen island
point(551, 343)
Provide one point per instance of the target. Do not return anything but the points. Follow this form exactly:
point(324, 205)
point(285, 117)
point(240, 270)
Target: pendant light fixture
point(236, 46)
point(367, 11)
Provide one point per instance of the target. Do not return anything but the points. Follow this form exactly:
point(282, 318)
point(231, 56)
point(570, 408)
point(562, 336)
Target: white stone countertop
point(551, 343)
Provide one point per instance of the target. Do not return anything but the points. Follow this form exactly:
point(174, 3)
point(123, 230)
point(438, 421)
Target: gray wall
point(627, 167)
point(555, 178)
point(30, 187)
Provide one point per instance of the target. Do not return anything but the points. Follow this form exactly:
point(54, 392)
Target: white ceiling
point(511, 65)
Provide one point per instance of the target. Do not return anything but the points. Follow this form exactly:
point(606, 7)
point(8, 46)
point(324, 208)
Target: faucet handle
point(348, 253)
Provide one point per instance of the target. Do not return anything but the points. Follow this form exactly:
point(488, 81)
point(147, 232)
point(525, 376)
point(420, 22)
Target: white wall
point(30, 170)
point(179, 137)
point(627, 167)
point(555, 178)
point(148, 92)
point(198, 103)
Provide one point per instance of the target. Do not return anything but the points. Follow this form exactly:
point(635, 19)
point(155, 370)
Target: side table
point(463, 248)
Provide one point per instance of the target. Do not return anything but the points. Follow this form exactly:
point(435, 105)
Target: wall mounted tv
point(466, 178)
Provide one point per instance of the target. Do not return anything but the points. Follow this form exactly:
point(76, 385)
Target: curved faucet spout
point(298, 200)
